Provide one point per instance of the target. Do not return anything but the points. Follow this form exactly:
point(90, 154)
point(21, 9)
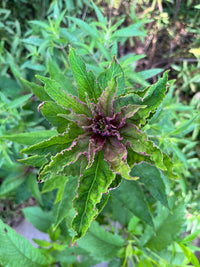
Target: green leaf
point(115, 154)
point(128, 32)
point(62, 98)
point(168, 224)
point(65, 157)
point(85, 79)
point(16, 250)
point(130, 194)
point(101, 244)
point(50, 111)
point(141, 144)
point(190, 255)
point(54, 144)
point(10, 184)
point(57, 74)
point(105, 101)
point(29, 138)
point(100, 16)
point(42, 220)
point(65, 205)
point(112, 71)
point(37, 90)
point(36, 161)
point(151, 177)
point(18, 102)
point(85, 26)
point(93, 183)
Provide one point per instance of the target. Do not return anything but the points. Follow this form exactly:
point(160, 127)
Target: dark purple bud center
point(103, 126)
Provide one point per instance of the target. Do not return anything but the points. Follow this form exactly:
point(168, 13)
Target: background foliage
point(147, 37)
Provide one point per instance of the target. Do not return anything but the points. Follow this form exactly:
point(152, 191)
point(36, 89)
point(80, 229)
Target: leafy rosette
point(100, 138)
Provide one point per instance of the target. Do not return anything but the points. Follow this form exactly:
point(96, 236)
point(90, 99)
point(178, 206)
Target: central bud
point(102, 126)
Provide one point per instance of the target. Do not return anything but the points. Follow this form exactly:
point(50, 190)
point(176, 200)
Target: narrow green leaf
point(85, 26)
point(100, 16)
point(86, 81)
point(151, 177)
point(190, 255)
point(93, 183)
point(18, 102)
point(101, 244)
point(29, 138)
point(130, 194)
point(15, 249)
point(10, 184)
point(113, 70)
point(62, 98)
point(128, 32)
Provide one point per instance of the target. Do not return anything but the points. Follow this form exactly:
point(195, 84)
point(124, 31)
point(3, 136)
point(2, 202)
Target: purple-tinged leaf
point(105, 101)
point(140, 144)
point(129, 111)
point(93, 183)
point(66, 157)
point(96, 143)
point(115, 154)
point(55, 144)
point(80, 119)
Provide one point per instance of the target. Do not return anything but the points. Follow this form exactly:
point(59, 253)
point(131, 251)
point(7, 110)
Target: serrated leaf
point(130, 194)
point(37, 90)
point(141, 144)
point(151, 178)
point(15, 249)
point(50, 111)
point(65, 157)
point(105, 101)
point(54, 183)
point(93, 183)
point(36, 161)
point(152, 98)
point(57, 74)
point(86, 81)
point(29, 138)
point(54, 144)
point(112, 71)
point(168, 224)
point(65, 205)
point(62, 98)
point(100, 243)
